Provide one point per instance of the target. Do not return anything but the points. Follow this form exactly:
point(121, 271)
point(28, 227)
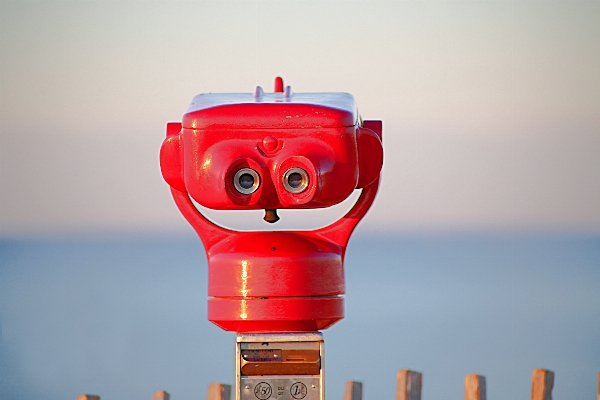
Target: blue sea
point(126, 316)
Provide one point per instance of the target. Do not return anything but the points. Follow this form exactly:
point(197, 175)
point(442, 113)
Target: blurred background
point(481, 253)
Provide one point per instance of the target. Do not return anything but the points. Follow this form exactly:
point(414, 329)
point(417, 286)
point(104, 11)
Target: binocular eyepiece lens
point(246, 181)
point(295, 180)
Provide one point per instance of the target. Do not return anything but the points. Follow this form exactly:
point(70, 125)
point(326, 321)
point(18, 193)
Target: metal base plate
point(278, 388)
point(280, 366)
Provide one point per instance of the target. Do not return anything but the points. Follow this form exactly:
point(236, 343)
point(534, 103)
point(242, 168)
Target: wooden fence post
point(408, 385)
point(219, 391)
point(161, 395)
point(353, 390)
point(475, 387)
point(542, 381)
point(88, 397)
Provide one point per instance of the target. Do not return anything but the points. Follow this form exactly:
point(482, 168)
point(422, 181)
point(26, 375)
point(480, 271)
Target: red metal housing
point(281, 281)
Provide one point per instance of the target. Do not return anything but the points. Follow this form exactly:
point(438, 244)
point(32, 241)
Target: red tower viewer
point(270, 151)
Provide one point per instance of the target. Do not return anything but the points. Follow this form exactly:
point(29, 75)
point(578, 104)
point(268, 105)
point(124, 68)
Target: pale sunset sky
point(491, 109)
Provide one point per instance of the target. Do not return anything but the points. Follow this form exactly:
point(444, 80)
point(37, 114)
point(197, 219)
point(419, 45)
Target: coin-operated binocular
point(275, 289)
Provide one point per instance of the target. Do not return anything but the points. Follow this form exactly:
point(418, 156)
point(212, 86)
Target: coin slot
point(270, 355)
point(280, 362)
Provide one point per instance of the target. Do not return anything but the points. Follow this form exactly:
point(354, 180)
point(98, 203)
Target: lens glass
point(246, 181)
point(295, 180)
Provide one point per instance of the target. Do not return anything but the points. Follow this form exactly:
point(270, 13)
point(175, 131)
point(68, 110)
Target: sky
point(490, 109)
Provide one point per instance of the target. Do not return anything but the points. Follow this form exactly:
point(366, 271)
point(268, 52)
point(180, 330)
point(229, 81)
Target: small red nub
point(270, 143)
point(278, 85)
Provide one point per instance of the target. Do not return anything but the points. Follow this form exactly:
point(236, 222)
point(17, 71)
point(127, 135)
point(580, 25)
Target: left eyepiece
point(246, 181)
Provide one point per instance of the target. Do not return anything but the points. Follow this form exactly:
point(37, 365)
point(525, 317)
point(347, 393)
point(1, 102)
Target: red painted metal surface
point(276, 281)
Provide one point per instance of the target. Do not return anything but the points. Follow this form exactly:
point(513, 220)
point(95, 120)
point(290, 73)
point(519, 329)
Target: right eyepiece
point(295, 180)
point(246, 181)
